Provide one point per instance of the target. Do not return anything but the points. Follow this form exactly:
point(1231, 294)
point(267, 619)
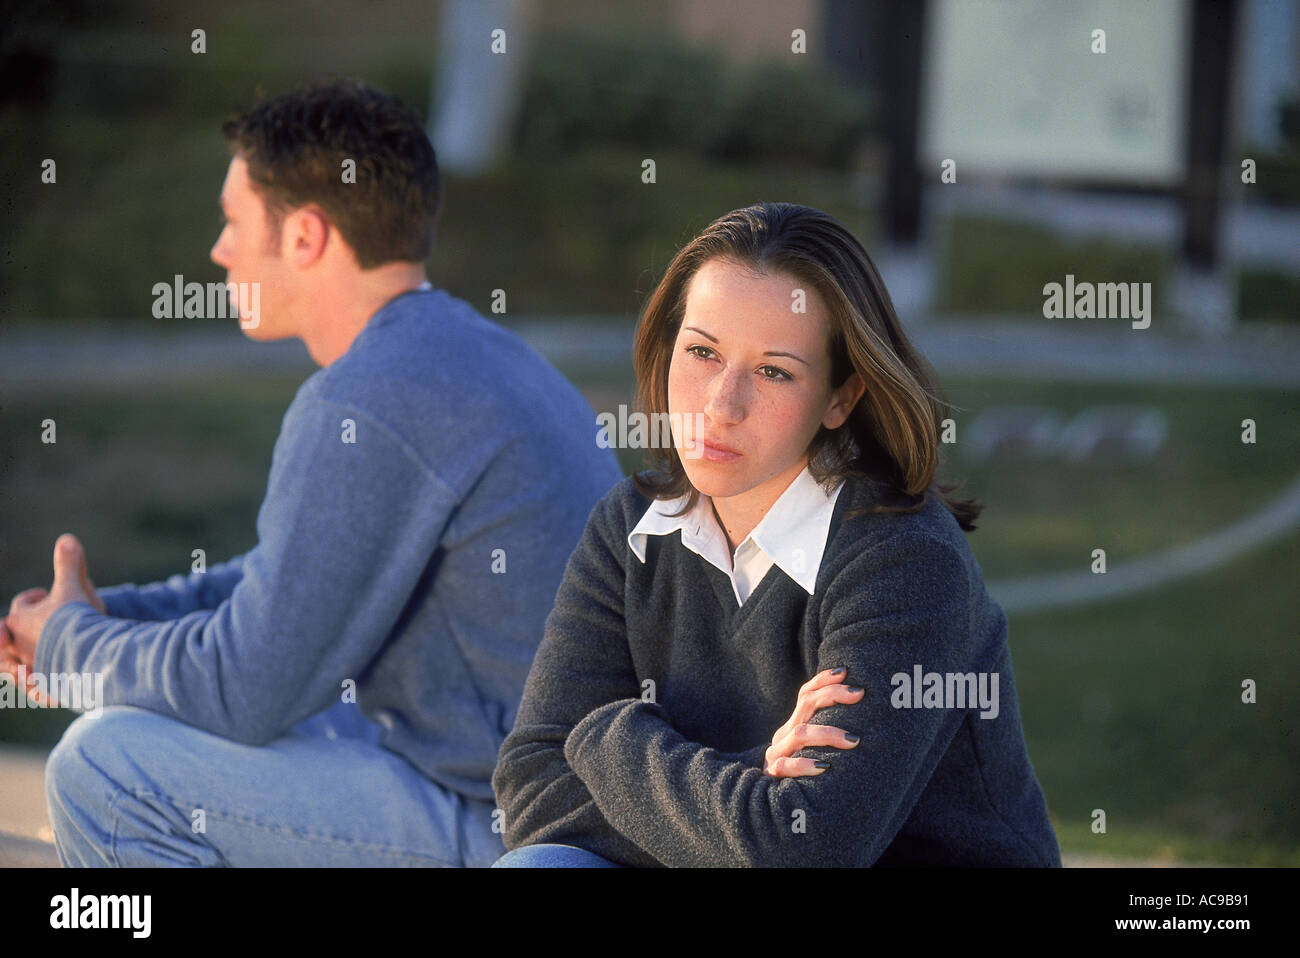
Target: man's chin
point(261, 334)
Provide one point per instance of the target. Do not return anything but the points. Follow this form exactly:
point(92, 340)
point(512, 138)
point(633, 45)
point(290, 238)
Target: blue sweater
point(642, 731)
point(418, 561)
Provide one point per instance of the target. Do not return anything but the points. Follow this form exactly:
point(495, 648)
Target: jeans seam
point(113, 858)
point(289, 831)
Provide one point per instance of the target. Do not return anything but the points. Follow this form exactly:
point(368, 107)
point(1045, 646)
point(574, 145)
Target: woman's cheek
point(786, 415)
point(684, 389)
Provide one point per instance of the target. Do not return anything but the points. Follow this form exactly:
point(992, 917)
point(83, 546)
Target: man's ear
point(307, 232)
point(843, 399)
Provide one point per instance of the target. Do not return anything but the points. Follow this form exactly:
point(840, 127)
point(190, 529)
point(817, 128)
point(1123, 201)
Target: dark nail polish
point(855, 690)
point(821, 764)
point(850, 737)
point(839, 671)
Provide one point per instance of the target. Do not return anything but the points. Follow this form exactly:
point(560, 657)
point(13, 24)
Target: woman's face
point(753, 374)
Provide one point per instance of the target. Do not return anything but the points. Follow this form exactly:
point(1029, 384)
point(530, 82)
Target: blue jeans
point(553, 856)
point(135, 788)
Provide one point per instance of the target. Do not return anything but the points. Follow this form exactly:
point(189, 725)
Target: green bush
point(623, 90)
point(995, 265)
point(654, 92)
point(1277, 172)
point(1268, 295)
point(779, 112)
point(1277, 176)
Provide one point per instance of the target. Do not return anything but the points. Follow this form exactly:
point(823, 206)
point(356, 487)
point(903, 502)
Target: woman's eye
point(703, 352)
point(775, 372)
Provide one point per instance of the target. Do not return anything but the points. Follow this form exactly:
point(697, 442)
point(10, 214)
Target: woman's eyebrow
point(791, 355)
point(771, 352)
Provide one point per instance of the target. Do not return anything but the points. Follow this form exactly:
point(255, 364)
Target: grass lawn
point(1133, 706)
point(1049, 516)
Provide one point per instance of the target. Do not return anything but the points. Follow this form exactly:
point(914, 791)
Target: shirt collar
point(792, 534)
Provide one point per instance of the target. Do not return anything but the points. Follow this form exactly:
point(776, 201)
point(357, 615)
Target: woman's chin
point(711, 479)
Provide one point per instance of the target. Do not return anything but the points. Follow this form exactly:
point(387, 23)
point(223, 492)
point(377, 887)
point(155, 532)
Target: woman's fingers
point(794, 767)
point(809, 736)
point(821, 698)
point(819, 692)
point(779, 760)
point(824, 677)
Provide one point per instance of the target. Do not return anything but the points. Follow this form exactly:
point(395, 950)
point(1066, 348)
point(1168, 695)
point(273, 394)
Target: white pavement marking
point(1058, 590)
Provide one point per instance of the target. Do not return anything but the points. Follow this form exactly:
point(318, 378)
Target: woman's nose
point(726, 399)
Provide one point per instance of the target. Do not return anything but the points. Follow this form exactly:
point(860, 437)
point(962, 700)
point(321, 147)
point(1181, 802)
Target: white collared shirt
point(792, 536)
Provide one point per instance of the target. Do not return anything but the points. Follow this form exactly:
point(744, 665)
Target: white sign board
point(1021, 87)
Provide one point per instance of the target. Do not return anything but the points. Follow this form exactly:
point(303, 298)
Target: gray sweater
point(653, 698)
point(425, 492)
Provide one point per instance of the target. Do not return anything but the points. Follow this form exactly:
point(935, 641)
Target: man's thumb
point(69, 561)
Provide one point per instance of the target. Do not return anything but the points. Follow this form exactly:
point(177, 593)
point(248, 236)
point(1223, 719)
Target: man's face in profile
point(249, 251)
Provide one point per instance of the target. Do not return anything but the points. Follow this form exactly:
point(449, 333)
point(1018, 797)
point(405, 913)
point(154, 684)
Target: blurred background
point(979, 149)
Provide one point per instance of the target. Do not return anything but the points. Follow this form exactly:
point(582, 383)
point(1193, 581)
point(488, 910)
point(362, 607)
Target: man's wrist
point(55, 627)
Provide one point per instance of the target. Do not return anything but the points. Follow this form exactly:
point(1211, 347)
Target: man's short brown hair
point(296, 146)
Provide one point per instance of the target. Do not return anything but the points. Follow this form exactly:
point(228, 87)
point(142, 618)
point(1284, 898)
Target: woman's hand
point(818, 692)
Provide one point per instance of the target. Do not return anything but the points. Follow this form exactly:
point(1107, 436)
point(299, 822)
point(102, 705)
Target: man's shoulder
point(448, 327)
point(431, 353)
point(408, 337)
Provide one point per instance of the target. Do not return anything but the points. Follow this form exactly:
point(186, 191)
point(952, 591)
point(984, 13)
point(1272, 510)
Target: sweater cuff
point(61, 622)
point(120, 600)
point(585, 736)
point(754, 757)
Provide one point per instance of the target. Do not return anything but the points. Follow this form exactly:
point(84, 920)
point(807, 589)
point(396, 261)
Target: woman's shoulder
point(910, 564)
point(620, 509)
point(860, 526)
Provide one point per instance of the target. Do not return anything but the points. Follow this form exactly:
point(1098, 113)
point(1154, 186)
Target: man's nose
point(217, 253)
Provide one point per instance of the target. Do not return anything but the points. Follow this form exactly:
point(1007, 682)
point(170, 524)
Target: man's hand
point(30, 610)
point(10, 665)
point(819, 692)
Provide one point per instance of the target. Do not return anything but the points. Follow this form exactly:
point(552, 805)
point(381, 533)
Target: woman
point(794, 553)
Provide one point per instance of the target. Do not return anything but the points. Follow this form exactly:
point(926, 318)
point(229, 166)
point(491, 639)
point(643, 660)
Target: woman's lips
point(712, 452)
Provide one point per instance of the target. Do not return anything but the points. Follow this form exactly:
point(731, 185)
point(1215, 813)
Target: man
point(337, 695)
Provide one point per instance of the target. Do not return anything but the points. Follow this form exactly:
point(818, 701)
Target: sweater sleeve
point(903, 602)
point(179, 595)
point(345, 533)
point(582, 663)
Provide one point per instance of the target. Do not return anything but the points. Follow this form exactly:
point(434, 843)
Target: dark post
point(899, 47)
point(850, 28)
point(1214, 29)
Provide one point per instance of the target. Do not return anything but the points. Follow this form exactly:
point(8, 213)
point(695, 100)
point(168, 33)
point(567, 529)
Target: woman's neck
point(738, 516)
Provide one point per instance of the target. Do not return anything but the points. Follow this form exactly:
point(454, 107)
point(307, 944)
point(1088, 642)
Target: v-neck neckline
point(735, 614)
point(724, 591)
